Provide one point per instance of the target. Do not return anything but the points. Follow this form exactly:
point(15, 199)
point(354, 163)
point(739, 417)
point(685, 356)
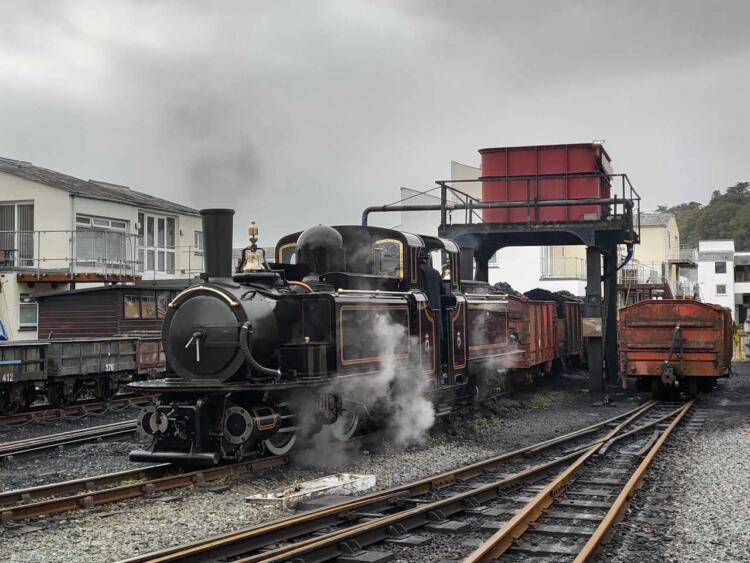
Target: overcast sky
point(298, 113)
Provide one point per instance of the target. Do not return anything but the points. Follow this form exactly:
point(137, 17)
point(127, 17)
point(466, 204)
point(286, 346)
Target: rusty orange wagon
point(675, 344)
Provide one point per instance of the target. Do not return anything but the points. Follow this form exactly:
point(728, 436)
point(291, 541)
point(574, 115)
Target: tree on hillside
point(727, 216)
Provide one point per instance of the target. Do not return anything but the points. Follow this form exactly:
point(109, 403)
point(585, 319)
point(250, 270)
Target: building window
point(148, 307)
point(17, 234)
point(28, 314)
point(162, 302)
point(132, 307)
point(99, 239)
point(198, 240)
point(156, 243)
point(721, 289)
point(720, 267)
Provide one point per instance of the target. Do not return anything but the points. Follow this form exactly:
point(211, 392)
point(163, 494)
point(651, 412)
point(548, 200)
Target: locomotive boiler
point(318, 336)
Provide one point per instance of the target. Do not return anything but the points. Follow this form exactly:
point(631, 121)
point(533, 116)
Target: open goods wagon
point(534, 326)
point(96, 338)
point(675, 343)
point(61, 369)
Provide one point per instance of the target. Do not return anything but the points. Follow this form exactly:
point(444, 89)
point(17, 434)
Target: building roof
point(655, 219)
point(91, 189)
point(178, 284)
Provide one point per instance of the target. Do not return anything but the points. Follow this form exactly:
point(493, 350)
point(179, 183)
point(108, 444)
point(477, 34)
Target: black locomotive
point(283, 348)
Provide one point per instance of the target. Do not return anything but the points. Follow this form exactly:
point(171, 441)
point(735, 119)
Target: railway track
point(53, 498)
point(38, 445)
point(454, 502)
point(79, 409)
point(564, 520)
point(87, 492)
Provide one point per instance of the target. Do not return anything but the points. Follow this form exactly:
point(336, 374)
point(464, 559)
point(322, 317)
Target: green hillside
point(727, 216)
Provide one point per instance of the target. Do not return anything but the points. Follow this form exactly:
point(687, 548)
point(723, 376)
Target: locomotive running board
point(202, 459)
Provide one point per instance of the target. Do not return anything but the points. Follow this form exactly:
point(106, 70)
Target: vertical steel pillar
point(466, 262)
point(483, 268)
point(610, 312)
point(443, 207)
point(592, 313)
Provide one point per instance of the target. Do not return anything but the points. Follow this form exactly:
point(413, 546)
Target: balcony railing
point(685, 254)
point(641, 273)
point(103, 252)
point(563, 267)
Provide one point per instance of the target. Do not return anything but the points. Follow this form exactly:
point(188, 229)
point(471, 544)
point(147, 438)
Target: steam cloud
point(399, 390)
point(396, 396)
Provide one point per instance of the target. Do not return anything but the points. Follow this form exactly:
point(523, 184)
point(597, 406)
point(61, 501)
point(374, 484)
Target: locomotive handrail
point(301, 284)
point(181, 296)
point(378, 291)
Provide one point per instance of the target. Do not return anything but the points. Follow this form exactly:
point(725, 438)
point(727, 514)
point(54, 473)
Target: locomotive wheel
point(283, 441)
point(347, 423)
point(105, 388)
point(280, 443)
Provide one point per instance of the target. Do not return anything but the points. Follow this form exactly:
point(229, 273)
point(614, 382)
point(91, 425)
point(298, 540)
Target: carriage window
point(148, 307)
point(388, 258)
point(162, 302)
point(132, 307)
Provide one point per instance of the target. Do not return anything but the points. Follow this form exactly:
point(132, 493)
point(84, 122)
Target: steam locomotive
point(306, 341)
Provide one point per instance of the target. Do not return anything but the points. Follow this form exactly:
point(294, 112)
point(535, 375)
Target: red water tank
point(545, 172)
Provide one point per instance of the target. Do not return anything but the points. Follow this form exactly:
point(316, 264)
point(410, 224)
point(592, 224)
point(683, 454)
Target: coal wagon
point(672, 344)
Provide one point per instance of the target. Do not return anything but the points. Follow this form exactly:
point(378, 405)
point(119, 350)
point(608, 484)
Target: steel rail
point(128, 491)
point(622, 502)
point(82, 408)
point(501, 540)
point(239, 542)
point(31, 446)
point(420, 514)
point(28, 494)
point(16, 505)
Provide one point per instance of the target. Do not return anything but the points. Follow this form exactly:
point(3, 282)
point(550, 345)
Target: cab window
point(388, 258)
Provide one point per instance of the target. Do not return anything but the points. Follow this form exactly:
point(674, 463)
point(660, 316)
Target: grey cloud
point(301, 113)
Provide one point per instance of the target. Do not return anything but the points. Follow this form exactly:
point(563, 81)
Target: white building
point(724, 276)
point(58, 231)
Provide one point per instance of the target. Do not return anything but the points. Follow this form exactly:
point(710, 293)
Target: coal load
point(558, 297)
point(505, 288)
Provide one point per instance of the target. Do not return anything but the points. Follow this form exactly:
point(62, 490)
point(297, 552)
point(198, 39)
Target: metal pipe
point(493, 205)
point(246, 338)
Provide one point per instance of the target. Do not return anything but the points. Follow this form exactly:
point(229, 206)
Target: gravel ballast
point(693, 508)
point(120, 530)
point(695, 505)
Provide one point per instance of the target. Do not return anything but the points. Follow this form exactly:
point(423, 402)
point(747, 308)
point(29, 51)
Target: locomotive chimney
point(217, 242)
